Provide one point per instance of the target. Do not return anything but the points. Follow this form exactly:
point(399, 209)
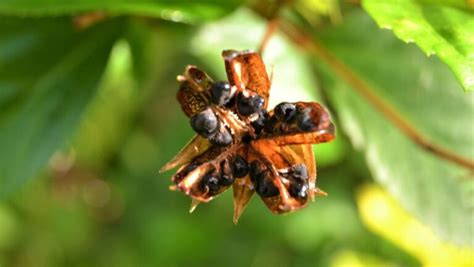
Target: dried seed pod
point(191, 101)
point(235, 129)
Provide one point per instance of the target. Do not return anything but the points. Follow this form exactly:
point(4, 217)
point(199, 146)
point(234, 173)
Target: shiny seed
point(304, 121)
point(247, 106)
point(205, 122)
point(221, 93)
point(285, 111)
point(210, 182)
point(240, 167)
point(221, 138)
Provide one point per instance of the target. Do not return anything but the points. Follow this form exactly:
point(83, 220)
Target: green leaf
point(291, 72)
point(188, 11)
point(49, 72)
point(423, 90)
point(437, 28)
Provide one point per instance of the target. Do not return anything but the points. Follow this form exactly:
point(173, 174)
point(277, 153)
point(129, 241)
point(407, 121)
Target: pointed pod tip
point(194, 204)
point(173, 187)
point(162, 169)
point(235, 220)
point(318, 192)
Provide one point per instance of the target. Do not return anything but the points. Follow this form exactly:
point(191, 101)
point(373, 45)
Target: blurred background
point(100, 200)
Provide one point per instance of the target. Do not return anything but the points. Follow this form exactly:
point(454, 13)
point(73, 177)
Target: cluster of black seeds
point(207, 124)
point(286, 118)
point(225, 175)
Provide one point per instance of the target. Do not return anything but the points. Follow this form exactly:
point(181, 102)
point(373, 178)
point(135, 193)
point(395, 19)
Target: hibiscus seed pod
point(240, 167)
point(221, 93)
point(247, 106)
point(285, 111)
point(205, 122)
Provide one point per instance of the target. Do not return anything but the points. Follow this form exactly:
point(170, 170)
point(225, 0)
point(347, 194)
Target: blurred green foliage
point(91, 110)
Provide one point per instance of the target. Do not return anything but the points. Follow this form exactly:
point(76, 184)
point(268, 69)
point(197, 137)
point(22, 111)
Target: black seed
point(265, 187)
point(221, 138)
point(210, 182)
point(298, 175)
point(246, 138)
point(205, 122)
point(299, 172)
point(270, 125)
point(259, 124)
point(255, 170)
point(247, 106)
point(299, 190)
point(304, 121)
point(226, 180)
point(221, 93)
point(261, 180)
point(240, 167)
point(285, 111)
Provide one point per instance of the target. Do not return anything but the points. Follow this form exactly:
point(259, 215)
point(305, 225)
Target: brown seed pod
point(252, 149)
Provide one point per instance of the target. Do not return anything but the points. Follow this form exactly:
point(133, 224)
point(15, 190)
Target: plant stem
point(272, 26)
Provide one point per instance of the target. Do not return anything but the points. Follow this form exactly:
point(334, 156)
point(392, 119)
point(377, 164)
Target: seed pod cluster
point(242, 144)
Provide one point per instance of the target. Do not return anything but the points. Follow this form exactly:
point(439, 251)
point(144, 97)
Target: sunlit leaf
point(48, 71)
point(424, 91)
point(441, 29)
point(174, 10)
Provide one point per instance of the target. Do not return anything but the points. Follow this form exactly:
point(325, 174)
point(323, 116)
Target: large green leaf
point(49, 71)
point(175, 10)
point(424, 91)
point(437, 27)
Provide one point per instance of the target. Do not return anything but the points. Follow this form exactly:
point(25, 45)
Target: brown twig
point(368, 93)
point(272, 26)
